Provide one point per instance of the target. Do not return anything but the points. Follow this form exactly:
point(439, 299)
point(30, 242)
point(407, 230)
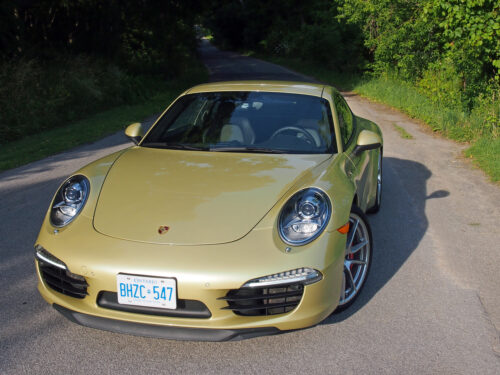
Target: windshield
point(246, 122)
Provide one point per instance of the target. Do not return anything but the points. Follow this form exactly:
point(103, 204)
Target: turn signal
point(344, 229)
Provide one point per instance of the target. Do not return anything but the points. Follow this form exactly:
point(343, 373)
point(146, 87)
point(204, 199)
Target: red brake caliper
point(351, 256)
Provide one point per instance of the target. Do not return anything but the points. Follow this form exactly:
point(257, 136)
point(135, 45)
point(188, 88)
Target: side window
point(345, 117)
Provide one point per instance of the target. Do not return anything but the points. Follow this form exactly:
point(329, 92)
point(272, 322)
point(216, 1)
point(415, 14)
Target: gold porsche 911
point(239, 213)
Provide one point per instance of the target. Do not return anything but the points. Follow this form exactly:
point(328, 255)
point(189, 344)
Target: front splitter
point(165, 332)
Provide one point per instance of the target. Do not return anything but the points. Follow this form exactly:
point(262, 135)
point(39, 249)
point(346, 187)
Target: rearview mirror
point(135, 132)
point(367, 140)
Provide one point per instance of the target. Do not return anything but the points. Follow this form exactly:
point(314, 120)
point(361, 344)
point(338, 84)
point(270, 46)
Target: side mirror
point(135, 132)
point(367, 140)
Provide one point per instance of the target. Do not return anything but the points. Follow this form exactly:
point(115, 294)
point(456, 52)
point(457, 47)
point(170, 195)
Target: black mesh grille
point(63, 281)
point(264, 301)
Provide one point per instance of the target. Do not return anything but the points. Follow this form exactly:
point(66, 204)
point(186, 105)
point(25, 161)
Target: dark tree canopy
point(142, 34)
point(53, 53)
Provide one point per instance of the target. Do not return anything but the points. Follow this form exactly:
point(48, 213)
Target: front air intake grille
point(186, 308)
point(62, 280)
point(264, 301)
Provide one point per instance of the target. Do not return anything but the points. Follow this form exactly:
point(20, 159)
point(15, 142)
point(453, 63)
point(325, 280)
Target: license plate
point(147, 291)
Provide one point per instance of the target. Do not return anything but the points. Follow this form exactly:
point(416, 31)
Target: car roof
point(304, 88)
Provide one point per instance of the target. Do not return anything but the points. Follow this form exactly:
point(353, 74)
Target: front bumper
point(203, 273)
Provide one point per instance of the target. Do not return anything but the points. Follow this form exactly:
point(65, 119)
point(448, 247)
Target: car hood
point(202, 197)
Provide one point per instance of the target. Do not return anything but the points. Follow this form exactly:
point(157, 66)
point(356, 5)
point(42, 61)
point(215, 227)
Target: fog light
point(302, 275)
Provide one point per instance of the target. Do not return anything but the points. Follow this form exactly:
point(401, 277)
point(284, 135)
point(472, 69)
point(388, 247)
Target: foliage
point(94, 127)
point(36, 96)
point(396, 37)
point(145, 35)
point(61, 60)
point(441, 45)
point(471, 32)
point(446, 52)
point(485, 154)
point(295, 28)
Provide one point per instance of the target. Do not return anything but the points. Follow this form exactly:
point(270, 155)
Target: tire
point(378, 200)
point(358, 258)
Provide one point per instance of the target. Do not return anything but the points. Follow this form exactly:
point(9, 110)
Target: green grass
point(479, 128)
point(402, 132)
point(92, 128)
point(485, 153)
point(454, 123)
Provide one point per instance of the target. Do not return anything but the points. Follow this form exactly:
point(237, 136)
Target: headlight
point(304, 216)
point(69, 200)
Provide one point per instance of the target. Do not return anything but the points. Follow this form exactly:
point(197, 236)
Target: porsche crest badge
point(163, 229)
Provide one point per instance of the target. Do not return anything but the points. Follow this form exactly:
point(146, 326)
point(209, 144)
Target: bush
point(442, 84)
point(36, 96)
point(432, 106)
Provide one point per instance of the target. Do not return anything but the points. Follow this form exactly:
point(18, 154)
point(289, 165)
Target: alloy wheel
point(357, 258)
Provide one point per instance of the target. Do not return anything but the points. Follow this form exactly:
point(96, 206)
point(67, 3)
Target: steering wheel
point(305, 135)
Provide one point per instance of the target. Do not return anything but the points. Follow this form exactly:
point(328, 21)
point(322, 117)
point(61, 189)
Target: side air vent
point(265, 300)
point(56, 275)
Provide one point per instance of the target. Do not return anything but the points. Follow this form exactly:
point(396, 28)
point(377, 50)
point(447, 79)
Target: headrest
point(230, 133)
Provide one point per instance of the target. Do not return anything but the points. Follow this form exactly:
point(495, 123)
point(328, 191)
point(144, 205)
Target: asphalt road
point(431, 304)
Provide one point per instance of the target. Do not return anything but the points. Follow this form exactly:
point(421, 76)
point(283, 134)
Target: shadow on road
point(398, 227)
point(86, 153)
point(230, 66)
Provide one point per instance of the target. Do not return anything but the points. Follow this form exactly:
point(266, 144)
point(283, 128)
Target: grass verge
point(92, 128)
point(453, 123)
point(477, 128)
point(485, 153)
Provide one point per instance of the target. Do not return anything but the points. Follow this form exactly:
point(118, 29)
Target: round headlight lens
point(304, 216)
point(73, 193)
point(69, 200)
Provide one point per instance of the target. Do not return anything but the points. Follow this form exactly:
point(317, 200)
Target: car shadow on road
point(397, 228)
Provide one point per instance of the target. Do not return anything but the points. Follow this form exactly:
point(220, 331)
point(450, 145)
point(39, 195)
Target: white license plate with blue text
point(147, 291)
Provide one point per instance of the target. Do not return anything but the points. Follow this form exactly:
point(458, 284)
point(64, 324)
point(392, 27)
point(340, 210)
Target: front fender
point(96, 173)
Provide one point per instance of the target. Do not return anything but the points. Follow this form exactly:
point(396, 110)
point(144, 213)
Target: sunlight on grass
point(95, 127)
point(50, 142)
point(486, 154)
point(402, 132)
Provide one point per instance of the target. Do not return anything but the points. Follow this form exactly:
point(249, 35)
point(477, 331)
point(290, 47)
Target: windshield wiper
point(174, 146)
point(248, 149)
